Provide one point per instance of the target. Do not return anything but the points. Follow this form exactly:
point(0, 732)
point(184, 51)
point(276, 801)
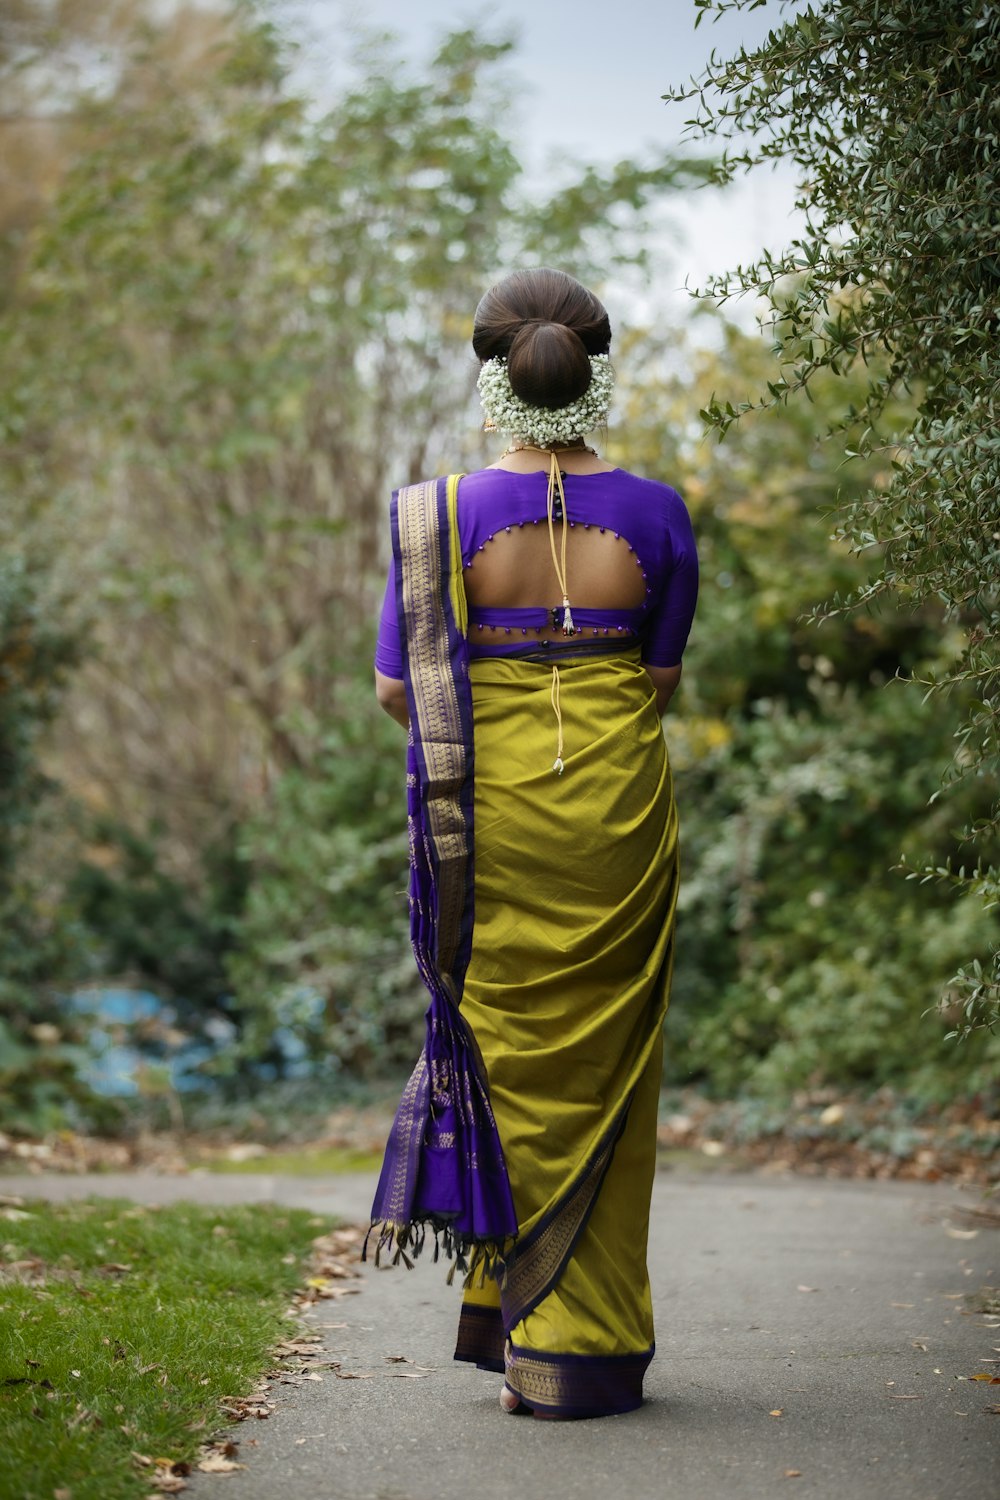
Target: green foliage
point(238, 323)
point(890, 116)
point(131, 1327)
point(151, 924)
point(36, 654)
point(804, 770)
point(324, 943)
point(42, 946)
point(803, 959)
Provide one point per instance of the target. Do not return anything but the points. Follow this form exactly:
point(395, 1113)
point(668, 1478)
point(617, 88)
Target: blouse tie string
point(559, 564)
point(559, 559)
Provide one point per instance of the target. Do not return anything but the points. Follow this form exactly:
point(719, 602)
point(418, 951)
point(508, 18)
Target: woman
point(531, 637)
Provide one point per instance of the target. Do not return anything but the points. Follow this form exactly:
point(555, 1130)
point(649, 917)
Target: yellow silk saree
point(562, 994)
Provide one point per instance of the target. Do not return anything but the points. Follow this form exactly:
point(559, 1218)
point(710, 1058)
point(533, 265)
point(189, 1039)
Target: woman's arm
point(664, 680)
point(391, 694)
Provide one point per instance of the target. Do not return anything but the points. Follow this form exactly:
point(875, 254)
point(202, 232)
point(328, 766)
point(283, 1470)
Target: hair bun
point(546, 325)
point(547, 364)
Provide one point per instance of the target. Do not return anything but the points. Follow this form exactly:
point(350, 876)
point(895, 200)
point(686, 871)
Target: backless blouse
point(648, 517)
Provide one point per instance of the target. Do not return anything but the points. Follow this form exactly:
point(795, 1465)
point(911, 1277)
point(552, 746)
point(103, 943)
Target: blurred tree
point(803, 768)
point(42, 947)
point(890, 116)
point(237, 325)
point(62, 68)
point(58, 58)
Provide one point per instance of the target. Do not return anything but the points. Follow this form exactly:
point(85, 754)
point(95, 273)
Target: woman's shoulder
point(649, 489)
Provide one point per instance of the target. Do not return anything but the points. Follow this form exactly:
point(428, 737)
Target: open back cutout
point(513, 570)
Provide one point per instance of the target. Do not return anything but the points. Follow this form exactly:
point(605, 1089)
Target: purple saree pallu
point(444, 1168)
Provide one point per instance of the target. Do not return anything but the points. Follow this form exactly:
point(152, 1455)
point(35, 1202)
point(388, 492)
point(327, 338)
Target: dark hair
point(546, 325)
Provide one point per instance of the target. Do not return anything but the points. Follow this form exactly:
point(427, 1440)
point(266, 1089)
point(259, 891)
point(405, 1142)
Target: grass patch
point(301, 1163)
point(126, 1326)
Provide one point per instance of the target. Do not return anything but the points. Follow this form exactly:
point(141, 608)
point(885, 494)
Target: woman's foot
point(510, 1401)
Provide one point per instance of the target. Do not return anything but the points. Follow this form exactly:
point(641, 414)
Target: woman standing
point(531, 637)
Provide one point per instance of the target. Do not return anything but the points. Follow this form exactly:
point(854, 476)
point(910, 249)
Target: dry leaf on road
point(215, 1463)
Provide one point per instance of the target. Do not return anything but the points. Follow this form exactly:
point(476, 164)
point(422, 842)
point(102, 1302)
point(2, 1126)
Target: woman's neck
point(573, 458)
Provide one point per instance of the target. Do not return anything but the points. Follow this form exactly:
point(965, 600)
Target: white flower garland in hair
point(543, 424)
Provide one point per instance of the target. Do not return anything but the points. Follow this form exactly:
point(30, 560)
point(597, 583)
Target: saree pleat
point(575, 896)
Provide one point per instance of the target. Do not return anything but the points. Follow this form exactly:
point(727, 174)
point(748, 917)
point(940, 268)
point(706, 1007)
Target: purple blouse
point(650, 517)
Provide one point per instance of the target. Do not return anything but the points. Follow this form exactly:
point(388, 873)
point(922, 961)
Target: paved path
point(846, 1306)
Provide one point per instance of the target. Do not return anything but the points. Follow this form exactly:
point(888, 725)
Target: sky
point(590, 78)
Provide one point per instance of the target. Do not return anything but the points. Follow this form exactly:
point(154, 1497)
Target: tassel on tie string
point(557, 764)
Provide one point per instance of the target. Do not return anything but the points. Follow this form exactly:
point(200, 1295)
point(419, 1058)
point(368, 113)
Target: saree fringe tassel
point(401, 1244)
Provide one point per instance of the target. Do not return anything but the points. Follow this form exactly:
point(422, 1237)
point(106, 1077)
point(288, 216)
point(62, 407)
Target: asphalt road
point(813, 1337)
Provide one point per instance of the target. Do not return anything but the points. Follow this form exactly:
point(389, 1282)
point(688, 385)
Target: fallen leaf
point(216, 1464)
point(916, 1344)
point(893, 1396)
point(961, 1234)
point(900, 1304)
point(807, 1288)
point(407, 1374)
point(778, 1411)
point(355, 1375)
point(167, 1483)
point(793, 1473)
point(990, 1379)
point(397, 1359)
point(114, 1268)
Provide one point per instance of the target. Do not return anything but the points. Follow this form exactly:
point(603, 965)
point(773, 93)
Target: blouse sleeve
point(669, 622)
point(388, 654)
